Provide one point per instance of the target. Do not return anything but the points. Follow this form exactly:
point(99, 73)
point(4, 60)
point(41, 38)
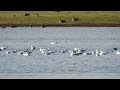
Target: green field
point(51, 18)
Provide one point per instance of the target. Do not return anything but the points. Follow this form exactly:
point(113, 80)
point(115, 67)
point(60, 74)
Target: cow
point(14, 15)
point(36, 15)
point(27, 14)
point(75, 19)
point(62, 21)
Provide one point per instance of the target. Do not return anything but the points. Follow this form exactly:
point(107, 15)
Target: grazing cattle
point(14, 15)
point(56, 11)
point(62, 21)
point(36, 15)
point(75, 19)
point(27, 14)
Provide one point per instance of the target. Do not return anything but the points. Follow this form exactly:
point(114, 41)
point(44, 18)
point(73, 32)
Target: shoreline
point(58, 25)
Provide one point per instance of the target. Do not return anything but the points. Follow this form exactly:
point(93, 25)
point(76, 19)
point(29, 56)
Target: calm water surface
point(90, 38)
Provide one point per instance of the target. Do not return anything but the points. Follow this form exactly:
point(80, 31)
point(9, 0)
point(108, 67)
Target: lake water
point(59, 64)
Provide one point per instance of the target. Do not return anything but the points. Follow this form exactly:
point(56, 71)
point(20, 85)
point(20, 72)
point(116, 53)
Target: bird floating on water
point(53, 43)
point(117, 52)
point(0, 49)
point(3, 48)
point(14, 51)
point(115, 49)
point(32, 48)
point(8, 52)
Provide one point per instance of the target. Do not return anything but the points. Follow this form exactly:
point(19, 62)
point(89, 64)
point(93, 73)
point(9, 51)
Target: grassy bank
point(51, 18)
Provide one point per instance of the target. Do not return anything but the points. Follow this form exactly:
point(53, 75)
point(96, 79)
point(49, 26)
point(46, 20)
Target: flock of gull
point(73, 52)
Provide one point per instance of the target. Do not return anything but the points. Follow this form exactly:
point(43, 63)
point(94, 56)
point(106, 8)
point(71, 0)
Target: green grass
point(51, 18)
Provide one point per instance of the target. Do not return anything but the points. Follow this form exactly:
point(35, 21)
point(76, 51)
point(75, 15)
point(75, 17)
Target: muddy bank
point(59, 25)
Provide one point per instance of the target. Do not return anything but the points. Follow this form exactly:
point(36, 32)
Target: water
point(90, 38)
